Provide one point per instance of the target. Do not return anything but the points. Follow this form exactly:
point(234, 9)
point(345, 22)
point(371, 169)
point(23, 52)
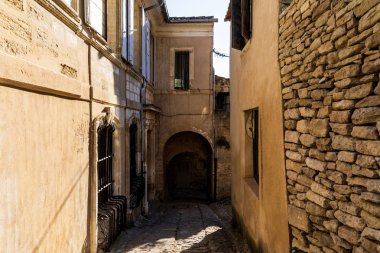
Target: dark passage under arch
point(188, 166)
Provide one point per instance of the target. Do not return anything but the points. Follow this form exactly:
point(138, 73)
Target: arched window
point(133, 150)
point(105, 156)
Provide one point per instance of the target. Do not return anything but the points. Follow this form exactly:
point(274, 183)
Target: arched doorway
point(188, 167)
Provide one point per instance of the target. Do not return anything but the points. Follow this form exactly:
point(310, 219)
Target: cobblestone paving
point(180, 227)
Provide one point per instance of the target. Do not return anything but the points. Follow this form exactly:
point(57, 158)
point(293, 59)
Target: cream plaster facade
point(260, 207)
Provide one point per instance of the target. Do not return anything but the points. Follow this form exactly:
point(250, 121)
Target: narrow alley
point(183, 227)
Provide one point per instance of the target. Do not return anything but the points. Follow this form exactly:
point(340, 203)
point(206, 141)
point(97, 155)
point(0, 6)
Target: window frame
point(182, 67)
point(252, 147)
point(172, 66)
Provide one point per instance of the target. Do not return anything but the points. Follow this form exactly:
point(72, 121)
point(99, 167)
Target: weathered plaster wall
point(48, 77)
point(44, 169)
point(330, 64)
point(255, 82)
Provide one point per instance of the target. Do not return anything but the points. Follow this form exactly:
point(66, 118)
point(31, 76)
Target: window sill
point(252, 185)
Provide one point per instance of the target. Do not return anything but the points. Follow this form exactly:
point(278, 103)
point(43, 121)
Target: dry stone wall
point(330, 62)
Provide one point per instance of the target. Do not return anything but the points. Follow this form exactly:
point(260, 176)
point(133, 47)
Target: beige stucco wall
point(255, 82)
point(50, 79)
point(183, 110)
point(44, 170)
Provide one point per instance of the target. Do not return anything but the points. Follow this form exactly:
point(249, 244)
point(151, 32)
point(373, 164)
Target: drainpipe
point(143, 163)
point(215, 146)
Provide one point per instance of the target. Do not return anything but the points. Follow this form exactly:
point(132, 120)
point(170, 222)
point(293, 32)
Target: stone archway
point(188, 167)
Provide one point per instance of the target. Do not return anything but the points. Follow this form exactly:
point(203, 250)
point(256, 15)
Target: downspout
point(143, 164)
point(215, 146)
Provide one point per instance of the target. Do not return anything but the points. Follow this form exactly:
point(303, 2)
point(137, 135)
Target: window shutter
point(237, 40)
point(143, 45)
point(124, 29)
point(96, 15)
point(147, 50)
point(246, 18)
point(131, 31)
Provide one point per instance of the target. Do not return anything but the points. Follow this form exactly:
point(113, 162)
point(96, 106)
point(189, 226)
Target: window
point(97, 16)
point(241, 23)
point(145, 47)
point(105, 159)
point(223, 102)
point(252, 131)
point(127, 23)
point(181, 79)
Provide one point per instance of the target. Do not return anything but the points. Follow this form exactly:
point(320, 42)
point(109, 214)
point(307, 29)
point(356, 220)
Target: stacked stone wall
point(330, 62)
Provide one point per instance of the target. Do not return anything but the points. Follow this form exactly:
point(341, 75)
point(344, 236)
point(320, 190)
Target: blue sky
point(216, 8)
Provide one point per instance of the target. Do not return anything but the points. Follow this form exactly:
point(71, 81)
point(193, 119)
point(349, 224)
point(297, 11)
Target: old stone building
point(305, 120)
point(106, 106)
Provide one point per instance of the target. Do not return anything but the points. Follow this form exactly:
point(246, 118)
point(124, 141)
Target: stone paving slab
point(179, 227)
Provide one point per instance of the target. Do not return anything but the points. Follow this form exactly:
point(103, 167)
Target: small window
point(223, 102)
point(105, 160)
point(133, 150)
point(182, 69)
point(252, 131)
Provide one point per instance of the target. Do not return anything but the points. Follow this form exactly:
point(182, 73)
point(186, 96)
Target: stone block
point(366, 161)
point(349, 51)
point(340, 242)
point(371, 220)
point(340, 116)
point(294, 166)
point(319, 127)
point(358, 92)
point(373, 185)
point(292, 136)
point(347, 71)
point(371, 67)
point(365, 132)
point(315, 164)
point(349, 207)
point(369, 245)
point(364, 7)
point(369, 101)
point(370, 196)
point(349, 220)
point(298, 218)
point(323, 238)
point(307, 140)
point(331, 225)
point(343, 143)
point(295, 156)
point(373, 41)
point(343, 167)
point(369, 19)
point(346, 156)
point(307, 112)
point(303, 126)
point(317, 199)
point(366, 115)
point(314, 209)
point(371, 233)
point(348, 234)
point(322, 190)
point(343, 105)
point(304, 180)
point(368, 147)
point(342, 189)
point(342, 129)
